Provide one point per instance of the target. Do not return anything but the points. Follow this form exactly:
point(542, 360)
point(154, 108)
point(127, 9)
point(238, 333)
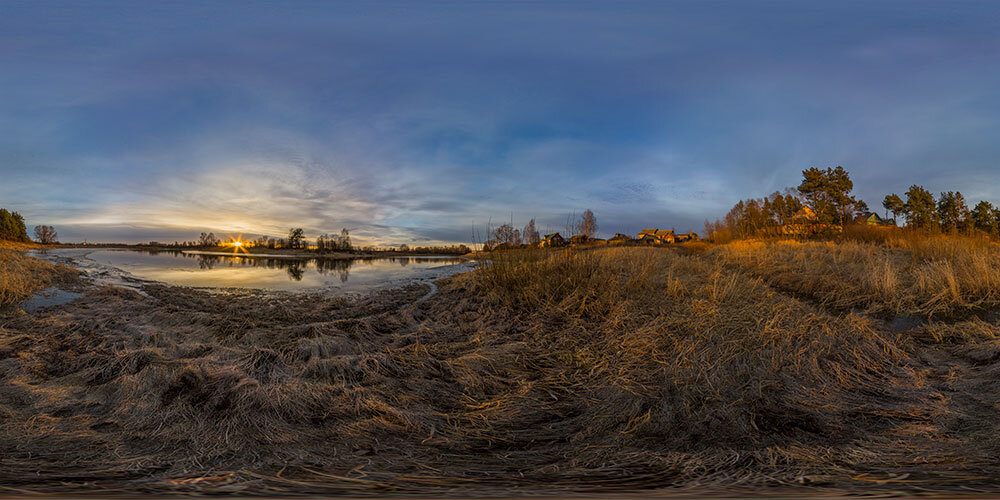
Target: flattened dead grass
point(564, 371)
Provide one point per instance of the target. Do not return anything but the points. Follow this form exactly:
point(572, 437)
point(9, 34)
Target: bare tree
point(208, 240)
point(530, 235)
point(45, 235)
point(505, 235)
point(588, 224)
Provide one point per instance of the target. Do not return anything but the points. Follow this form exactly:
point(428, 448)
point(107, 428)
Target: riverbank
point(606, 370)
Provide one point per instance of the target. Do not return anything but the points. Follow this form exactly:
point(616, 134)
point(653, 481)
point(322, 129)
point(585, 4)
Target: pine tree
point(920, 208)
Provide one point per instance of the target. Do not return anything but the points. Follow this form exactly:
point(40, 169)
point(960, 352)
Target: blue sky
point(412, 121)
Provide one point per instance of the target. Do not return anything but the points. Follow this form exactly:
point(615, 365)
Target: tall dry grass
point(682, 351)
point(927, 275)
point(21, 276)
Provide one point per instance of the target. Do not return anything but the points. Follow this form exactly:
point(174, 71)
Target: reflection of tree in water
point(341, 266)
point(296, 269)
point(208, 261)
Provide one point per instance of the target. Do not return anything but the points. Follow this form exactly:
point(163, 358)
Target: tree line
point(297, 240)
point(508, 236)
point(948, 214)
point(827, 192)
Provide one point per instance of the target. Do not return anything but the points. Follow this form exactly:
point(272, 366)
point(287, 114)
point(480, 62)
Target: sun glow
point(238, 245)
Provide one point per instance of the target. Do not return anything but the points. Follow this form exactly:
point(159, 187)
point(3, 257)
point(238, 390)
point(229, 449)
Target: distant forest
point(324, 243)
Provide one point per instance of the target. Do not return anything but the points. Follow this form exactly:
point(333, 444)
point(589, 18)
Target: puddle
point(50, 297)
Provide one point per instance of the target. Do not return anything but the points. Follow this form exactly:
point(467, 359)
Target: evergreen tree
point(12, 227)
point(963, 222)
point(947, 211)
point(893, 203)
point(983, 217)
point(920, 208)
point(828, 193)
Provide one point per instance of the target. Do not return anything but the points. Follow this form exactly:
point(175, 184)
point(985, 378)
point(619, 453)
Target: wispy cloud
point(410, 124)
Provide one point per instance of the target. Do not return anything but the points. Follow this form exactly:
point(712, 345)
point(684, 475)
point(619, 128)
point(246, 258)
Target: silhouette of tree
point(45, 235)
point(208, 240)
point(505, 235)
point(296, 237)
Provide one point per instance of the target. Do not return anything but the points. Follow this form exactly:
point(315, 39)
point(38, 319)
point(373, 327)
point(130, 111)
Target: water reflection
point(241, 270)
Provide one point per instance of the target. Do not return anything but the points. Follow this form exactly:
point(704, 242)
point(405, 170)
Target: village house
point(619, 239)
point(656, 236)
point(805, 222)
point(552, 240)
point(875, 220)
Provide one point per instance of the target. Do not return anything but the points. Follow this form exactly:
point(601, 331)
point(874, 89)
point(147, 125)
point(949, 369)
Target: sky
point(422, 122)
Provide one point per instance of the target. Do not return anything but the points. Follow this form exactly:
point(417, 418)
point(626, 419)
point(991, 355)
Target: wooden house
point(552, 240)
point(656, 236)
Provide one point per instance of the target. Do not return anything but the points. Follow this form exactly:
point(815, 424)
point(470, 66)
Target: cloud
point(412, 124)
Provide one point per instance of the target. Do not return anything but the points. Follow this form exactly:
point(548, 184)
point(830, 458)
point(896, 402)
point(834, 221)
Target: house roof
point(805, 213)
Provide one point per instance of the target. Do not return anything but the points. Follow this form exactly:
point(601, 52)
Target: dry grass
point(21, 276)
point(929, 276)
point(580, 370)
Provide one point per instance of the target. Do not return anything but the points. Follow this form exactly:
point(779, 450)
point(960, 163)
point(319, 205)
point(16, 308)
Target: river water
point(284, 273)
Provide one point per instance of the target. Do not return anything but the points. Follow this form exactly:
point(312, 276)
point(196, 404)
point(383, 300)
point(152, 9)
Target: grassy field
point(21, 276)
point(742, 366)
